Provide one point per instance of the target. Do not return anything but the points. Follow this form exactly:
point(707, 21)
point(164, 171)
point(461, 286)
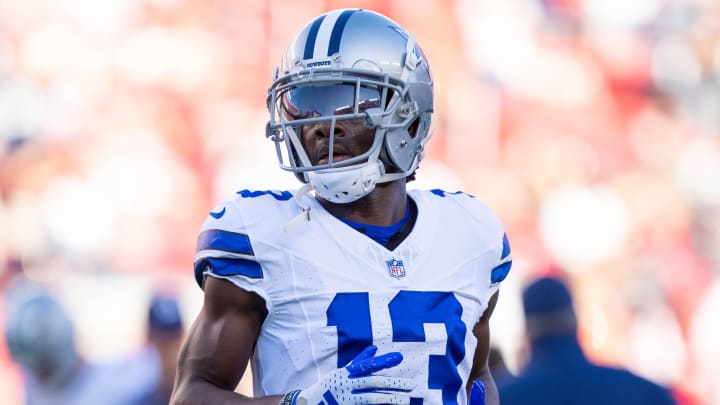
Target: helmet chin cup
point(348, 185)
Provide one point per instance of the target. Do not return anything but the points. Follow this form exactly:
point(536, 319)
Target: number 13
point(409, 310)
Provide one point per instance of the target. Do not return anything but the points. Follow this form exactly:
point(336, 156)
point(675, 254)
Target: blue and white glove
point(355, 384)
point(477, 393)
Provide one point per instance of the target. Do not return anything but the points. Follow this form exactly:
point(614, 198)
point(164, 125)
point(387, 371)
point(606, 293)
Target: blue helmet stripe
point(337, 32)
point(312, 37)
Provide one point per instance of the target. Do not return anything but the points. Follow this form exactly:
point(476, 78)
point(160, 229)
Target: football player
point(352, 289)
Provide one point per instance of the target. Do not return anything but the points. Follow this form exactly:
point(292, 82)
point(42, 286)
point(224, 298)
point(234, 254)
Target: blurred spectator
point(41, 339)
point(498, 367)
point(164, 336)
point(558, 371)
point(705, 335)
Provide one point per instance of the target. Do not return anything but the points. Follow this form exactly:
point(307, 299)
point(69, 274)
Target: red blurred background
point(592, 127)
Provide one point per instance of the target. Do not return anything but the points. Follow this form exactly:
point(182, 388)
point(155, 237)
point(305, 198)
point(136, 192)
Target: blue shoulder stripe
point(227, 267)
point(499, 273)
point(217, 239)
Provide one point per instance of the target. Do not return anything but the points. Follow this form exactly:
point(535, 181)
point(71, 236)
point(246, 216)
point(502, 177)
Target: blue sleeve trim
point(506, 247)
point(227, 267)
point(216, 239)
point(499, 273)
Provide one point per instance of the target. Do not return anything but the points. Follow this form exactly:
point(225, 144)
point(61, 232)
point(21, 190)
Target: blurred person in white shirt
point(41, 339)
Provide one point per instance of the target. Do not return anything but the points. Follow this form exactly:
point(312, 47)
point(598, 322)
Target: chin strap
point(348, 184)
point(305, 214)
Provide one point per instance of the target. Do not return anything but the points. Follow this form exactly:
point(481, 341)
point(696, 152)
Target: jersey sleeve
point(225, 253)
point(225, 250)
point(240, 241)
point(503, 265)
point(490, 234)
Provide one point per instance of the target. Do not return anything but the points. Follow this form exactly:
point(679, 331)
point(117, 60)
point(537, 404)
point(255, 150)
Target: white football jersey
point(331, 291)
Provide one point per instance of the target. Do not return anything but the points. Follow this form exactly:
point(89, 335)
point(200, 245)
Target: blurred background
point(592, 127)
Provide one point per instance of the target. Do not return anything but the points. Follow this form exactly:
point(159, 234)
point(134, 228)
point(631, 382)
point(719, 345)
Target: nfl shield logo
point(396, 268)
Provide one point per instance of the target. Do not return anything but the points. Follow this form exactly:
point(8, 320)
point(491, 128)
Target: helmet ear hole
point(412, 129)
point(388, 98)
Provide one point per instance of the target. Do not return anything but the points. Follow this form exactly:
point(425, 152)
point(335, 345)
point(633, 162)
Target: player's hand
point(477, 393)
point(356, 384)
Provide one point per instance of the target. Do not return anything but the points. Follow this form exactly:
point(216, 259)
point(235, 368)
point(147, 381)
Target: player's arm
point(480, 369)
point(216, 352)
point(218, 347)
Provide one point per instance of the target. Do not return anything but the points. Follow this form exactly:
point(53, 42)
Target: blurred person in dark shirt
point(164, 337)
point(558, 371)
point(501, 374)
point(498, 367)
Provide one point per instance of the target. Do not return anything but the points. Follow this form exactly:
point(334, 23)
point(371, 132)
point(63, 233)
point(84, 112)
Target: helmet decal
point(324, 35)
point(334, 46)
point(312, 37)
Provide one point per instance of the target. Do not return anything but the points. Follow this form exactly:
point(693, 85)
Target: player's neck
point(385, 206)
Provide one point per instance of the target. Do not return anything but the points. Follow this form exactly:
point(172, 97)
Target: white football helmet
point(352, 64)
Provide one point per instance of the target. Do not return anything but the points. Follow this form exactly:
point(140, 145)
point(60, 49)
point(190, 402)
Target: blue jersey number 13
point(409, 311)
